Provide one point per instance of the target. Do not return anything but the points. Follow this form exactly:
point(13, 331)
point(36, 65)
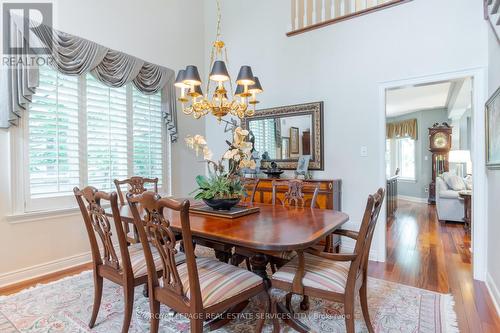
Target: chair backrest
point(136, 185)
point(155, 230)
point(365, 235)
point(250, 185)
point(97, 223)
point(294, 194)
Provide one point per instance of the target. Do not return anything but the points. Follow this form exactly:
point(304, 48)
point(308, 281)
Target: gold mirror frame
point(316, 111)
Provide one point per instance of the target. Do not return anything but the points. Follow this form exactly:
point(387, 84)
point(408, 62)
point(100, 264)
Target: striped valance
point(402, 129)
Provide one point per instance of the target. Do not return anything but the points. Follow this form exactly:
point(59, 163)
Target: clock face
point(440, 140)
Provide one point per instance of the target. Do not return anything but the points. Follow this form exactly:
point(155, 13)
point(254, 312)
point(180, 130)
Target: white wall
point(154, 30)
point(344, 64)
point(493, 278)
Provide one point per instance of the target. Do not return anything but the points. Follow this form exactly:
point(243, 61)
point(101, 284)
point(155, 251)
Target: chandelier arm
point(230, 81)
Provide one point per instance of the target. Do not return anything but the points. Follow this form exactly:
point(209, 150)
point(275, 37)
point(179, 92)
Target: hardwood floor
point(424, 253)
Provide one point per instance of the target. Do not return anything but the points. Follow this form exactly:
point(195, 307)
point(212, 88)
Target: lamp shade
point(245, 76)
point(459, 156)
point(197, 92)
point(219, 72)
point(179, 80)
point(239, 90)
point(256, 87)
point(191, 76)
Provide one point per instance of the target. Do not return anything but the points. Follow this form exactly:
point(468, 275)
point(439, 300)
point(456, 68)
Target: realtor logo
point(17, 18)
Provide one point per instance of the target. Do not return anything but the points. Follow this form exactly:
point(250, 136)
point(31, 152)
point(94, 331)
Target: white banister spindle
point(323, 10)
point(313, 12)
point(305, 13)
point(297, 12)
point(337, 4)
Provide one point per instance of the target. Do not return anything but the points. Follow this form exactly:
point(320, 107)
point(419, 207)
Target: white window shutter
point(52, 138)
point(106, 134)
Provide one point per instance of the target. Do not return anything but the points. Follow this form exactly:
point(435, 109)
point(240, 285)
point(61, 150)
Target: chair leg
point(274, 316)
point(304, 305)
point(349, 313)
point(265, 308)
point(247, 262)
point(364, 306)
point(98, 281)
point(129, 306)
point(196, 325)
point(154, 307)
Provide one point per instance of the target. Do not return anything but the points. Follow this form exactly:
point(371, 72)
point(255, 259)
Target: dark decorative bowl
point(273, 173)
point(221, 204)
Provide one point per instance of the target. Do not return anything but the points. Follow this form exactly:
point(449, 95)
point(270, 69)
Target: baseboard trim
point(494, 292)
point(412, 199)
point(42, 270)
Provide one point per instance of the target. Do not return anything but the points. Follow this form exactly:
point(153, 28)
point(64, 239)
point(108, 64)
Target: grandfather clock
point(439, 146)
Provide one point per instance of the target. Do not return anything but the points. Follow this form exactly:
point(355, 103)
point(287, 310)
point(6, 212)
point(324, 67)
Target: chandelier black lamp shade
point(255, 89)
point(191, 76)
point(245, 76)
point(218, 100)
point(219, 72)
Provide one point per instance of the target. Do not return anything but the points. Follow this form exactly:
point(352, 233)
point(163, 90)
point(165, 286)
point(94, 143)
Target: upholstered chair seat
point(319, 273)
point(138, 263)
point(218, 281)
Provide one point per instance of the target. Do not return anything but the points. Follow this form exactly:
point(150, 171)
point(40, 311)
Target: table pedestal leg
point(259, 265)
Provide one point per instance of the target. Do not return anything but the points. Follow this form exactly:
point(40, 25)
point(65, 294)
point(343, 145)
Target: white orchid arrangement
point(219, 184)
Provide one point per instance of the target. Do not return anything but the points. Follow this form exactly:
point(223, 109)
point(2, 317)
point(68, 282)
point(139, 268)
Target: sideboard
point(329, 196)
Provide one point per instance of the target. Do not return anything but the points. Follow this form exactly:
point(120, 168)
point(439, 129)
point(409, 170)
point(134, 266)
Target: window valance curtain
point(73, 55)
point(402, 129)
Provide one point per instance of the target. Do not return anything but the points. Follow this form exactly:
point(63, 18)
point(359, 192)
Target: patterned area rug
point(66, 305)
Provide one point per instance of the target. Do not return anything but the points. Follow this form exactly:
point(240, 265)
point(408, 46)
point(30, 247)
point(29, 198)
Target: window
point(265, 136)
point(406, 147)
point(400, 154)
point(148, 156)
point(80, 132)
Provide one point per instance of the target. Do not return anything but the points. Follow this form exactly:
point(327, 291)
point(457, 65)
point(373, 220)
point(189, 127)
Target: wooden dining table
point(273, 228)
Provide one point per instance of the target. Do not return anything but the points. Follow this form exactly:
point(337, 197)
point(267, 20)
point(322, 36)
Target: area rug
point(66, 305)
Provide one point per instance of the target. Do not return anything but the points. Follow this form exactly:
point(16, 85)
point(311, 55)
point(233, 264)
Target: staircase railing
point(308, 15)
point(492, 15)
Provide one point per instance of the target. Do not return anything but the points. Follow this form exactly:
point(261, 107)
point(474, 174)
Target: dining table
point(272, 228)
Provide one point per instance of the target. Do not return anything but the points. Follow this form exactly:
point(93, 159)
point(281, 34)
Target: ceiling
point(409, 99)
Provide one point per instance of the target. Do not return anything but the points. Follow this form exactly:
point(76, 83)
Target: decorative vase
point(222, 204)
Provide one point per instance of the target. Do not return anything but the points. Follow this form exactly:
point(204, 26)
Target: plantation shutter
point(147, 135)
point(52, 140)
point(106, 134)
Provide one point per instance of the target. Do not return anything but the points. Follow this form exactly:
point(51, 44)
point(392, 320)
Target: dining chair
point(250, 185)
point(128, 267)
point(293, 190)
point(294, 194)
point(135, 185)
point(200, 288)
point(336, 277)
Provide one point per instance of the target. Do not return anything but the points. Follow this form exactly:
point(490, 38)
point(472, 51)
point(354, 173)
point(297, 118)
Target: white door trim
point(480, 190)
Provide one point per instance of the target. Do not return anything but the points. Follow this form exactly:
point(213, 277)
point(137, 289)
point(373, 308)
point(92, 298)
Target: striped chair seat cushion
point(218, 281)
point(319, 273)
point(138, 262)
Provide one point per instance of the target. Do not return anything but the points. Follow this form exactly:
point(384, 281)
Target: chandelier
point(217, 100)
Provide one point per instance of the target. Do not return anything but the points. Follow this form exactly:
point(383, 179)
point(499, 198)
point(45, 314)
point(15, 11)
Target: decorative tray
point(235, 212)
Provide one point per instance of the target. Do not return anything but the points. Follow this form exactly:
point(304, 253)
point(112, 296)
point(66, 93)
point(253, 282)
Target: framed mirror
point(284, 134)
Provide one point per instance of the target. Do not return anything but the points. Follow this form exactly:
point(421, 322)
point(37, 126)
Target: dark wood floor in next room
point(424, 253)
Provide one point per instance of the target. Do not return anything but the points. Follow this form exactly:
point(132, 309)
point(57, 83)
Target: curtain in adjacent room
point(73, 55)
point(402, 129)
